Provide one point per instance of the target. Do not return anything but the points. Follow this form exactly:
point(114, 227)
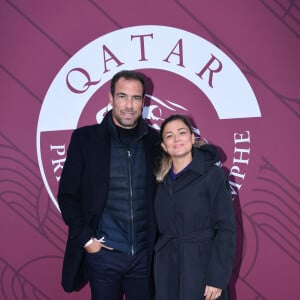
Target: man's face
point(127, 102)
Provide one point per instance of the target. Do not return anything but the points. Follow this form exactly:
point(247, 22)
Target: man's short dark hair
point(128, 74)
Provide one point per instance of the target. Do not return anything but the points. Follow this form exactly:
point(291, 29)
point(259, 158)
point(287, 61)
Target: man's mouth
point(128, 114)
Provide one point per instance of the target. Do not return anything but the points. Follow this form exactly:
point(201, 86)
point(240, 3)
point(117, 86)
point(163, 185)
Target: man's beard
point(127, 123)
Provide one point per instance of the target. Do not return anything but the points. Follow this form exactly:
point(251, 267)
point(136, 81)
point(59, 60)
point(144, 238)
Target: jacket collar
point(109, 123)
point(203, 158)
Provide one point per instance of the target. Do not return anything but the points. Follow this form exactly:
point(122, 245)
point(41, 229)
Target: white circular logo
point(189, 75)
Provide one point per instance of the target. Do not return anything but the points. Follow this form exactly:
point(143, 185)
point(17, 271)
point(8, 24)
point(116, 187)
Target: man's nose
point(129, 102)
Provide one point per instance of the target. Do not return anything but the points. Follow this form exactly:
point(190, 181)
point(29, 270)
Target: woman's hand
point(212, 293)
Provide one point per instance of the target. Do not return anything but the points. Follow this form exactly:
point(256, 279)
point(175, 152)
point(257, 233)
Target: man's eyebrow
point(124, 94)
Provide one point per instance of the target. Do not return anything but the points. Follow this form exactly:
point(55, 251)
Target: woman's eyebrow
point(167, 132)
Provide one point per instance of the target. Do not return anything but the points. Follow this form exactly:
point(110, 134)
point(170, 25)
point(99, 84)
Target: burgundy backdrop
point(262, 37)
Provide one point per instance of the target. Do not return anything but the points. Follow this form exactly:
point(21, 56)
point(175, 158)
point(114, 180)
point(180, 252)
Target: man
point(106, 198)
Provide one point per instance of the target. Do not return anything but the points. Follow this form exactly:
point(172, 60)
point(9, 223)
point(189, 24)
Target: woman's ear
point(193, 138)
point(164, 147)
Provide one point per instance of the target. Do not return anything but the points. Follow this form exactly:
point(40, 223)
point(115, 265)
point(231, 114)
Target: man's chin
point(128, 123)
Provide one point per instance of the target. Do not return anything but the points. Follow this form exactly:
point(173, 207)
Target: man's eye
point(138, 98)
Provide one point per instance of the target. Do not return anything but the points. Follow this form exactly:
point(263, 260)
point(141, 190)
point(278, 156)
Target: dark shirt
point(176, 175)
point(127, 136)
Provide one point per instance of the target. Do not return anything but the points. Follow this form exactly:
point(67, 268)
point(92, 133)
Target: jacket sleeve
point(223, 221)
point(70, 191)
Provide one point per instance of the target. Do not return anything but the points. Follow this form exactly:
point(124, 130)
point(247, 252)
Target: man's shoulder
point(153, 132)
point(153, 135)
point(87, 128)
point(90, 132)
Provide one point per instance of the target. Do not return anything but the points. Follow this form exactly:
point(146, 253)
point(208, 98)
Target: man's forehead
point(122, 87)
point(123, 80)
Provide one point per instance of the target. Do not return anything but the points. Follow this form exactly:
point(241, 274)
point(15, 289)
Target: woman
point(195, 247)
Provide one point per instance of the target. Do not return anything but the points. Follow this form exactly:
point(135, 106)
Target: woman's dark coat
point(196, 222)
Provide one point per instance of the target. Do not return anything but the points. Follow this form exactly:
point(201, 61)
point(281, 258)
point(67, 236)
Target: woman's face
point(177, 139)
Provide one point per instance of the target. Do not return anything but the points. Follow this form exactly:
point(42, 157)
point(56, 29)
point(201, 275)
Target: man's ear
point(111, 99)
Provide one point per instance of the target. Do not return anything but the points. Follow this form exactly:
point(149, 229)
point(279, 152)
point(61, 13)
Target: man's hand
point(212, 293)
point(96, 246)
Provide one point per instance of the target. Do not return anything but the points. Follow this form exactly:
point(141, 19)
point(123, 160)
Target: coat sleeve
point(223, 221)
point(70, 192)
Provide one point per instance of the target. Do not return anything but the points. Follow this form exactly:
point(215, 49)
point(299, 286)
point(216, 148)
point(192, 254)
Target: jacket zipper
point(131, 202)
point(131, 198)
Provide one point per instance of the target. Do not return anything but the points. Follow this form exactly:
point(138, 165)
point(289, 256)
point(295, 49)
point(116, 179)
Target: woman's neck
point(179, 163)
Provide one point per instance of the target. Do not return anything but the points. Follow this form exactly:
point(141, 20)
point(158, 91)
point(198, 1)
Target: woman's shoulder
point(207, 153)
